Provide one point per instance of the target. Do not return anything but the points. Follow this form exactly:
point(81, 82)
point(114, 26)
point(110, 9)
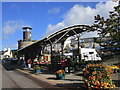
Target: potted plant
point(60, 74)
point(37, 69)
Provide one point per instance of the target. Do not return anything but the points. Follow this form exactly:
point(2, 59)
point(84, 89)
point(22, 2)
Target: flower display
point(98, 76)
point(114, 66)
point(37, 67)
point(60, 72)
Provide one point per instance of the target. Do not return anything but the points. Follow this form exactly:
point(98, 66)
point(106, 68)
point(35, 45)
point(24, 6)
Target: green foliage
point(109, 28)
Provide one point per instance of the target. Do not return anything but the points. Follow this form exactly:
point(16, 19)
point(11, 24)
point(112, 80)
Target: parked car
point(3, 60)
point(14, 60)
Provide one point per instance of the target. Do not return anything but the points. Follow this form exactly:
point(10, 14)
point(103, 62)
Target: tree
point(109, 29)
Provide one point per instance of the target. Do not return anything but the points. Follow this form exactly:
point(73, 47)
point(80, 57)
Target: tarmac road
point(12, 78)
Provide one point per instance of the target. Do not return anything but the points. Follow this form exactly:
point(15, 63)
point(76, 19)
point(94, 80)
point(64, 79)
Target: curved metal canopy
point(58, 36)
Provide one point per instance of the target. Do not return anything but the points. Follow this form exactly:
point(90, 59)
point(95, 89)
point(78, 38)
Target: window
point(91, 52)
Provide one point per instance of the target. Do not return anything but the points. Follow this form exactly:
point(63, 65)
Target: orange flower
point(94, 72)
point(98, 83)
point(60, 72)
point(99, 76)
point(102, 84)
point(91, 77)
point(96, 87)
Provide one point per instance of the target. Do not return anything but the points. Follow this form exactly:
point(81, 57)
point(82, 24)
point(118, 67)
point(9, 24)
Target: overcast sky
point(47, 17)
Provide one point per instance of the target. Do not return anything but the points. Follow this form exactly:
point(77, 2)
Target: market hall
point(43, 49)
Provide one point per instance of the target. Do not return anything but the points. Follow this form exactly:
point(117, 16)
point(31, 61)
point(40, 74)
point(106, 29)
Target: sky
point(47, 17)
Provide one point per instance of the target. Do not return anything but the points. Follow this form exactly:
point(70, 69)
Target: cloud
point(54, 11)
point(9, 27)
point(13, 46)
point(82, 15)
point(53, 28)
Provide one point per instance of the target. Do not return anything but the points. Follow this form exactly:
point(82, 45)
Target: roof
point(58, 36)
point(27, 28)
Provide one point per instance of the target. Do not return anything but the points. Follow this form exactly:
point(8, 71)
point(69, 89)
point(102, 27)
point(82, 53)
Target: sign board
point(46, 59)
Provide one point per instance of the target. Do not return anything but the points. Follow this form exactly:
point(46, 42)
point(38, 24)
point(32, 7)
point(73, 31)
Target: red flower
point(91, 77)
point(99, 76)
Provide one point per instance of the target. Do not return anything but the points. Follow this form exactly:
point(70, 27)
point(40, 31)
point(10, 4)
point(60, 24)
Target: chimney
point(27, 33)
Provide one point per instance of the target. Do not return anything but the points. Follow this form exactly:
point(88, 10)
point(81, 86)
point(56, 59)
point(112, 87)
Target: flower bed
point(97, 76)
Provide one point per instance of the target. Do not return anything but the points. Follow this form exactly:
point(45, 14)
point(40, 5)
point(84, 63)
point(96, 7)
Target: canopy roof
point(58, 36)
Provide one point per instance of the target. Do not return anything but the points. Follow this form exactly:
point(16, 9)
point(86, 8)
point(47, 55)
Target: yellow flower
point(114, 86)
point(94, 72)
point(60, 72)
point(36, 67)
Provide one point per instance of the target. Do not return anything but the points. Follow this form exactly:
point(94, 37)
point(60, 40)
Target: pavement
point(73, 80)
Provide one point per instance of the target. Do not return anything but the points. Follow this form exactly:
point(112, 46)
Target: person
point(29, 62)
point(63, 64)
point(24, 63)
point(69, 64)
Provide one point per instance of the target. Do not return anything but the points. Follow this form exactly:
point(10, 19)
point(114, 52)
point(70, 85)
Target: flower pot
point(60, 76)
point(37, 70)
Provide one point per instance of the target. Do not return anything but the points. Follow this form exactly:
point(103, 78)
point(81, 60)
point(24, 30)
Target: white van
point(87, 54)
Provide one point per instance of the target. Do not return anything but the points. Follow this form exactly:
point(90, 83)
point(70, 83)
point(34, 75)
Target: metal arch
point(47, 38)
point(66, 29)
point(62, 36)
